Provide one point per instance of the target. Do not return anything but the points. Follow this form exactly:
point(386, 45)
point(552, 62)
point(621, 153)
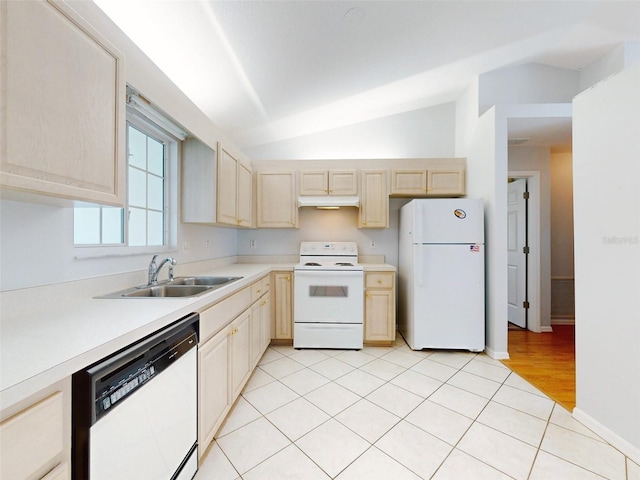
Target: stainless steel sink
point(179, 287)
point(168, 291)
point(210, 281)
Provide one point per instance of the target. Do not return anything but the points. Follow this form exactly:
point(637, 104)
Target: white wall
point(486, 161)
point(538, 159)
point(561, 193)
point(606, 175)
point(424, 133)
point(530, 83)
point(615, 61)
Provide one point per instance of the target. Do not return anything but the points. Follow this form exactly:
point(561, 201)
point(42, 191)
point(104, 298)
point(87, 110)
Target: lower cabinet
point(213, 387)
point(227, 358)
point(282, 308)
point(379, 308)
point(32, 441)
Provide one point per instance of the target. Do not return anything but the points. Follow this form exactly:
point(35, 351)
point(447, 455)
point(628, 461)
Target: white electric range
point(328, 309)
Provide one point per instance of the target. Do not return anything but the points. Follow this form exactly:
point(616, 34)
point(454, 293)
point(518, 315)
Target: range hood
point(328, 201)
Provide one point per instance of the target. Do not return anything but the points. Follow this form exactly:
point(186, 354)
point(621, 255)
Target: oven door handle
point(324, 273)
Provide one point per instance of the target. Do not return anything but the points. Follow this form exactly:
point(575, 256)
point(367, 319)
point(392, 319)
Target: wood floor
point(546, 360)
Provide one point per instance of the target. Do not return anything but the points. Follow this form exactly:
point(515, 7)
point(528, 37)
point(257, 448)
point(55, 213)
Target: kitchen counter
point(43, 346)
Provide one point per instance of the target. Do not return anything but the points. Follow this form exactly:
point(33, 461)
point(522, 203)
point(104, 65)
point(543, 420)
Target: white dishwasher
point(134, 413)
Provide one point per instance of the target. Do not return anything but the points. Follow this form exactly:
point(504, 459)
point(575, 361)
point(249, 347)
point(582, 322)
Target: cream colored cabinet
point(379, 307)
point(276, 200)
point(260, 319)
point(432, 182)
point(32, 441)
point(282, 306)
point(446, 182)
point(234, 192)
point(62, 105)
point(374, 199)
point(213, 387)
point(331, 182)
point(198, 190)
point(240, 348)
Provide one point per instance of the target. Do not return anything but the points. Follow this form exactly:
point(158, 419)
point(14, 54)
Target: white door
point(516, 242)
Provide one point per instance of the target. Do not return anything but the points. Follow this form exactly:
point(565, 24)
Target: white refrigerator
point(441, 297)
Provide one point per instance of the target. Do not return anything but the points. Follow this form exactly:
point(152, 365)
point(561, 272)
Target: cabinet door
point(276, 201)
point(240, 352)
point(245, 198)
point(61, 472)
point(378, 306)
point(282, 309)
point(256, 332)
point(32, 441)
point(227, 186)
point(213, 387)
point(409, 183)
point(62, 105)
point(374, 200)
point(445, 182)
point(198, 189)
point(266, 321)
point(314, 182)
point(343, 182)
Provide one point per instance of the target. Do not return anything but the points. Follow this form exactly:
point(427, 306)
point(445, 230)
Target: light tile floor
point(393, 413)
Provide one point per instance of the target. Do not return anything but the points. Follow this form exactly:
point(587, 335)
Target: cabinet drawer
point(31, 441)
point(378, 280)
point(216, 317)
point(259, 288)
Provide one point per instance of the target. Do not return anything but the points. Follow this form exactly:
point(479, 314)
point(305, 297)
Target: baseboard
point(612, 438)
point(496, 355)
point(563, 321)
point(546, 329)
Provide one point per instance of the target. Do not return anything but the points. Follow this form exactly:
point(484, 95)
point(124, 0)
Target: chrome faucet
point(155, 269)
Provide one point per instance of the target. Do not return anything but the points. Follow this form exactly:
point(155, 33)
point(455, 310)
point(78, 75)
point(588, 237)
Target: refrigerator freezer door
point(448, 297)
point(448, 220)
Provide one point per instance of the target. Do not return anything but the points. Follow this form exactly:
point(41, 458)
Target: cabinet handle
point(379, 281)
point(367, 295)
point(293, 223)
point(288, 278)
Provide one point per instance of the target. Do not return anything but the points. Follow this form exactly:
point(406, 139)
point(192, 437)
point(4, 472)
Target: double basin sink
point(179, 287)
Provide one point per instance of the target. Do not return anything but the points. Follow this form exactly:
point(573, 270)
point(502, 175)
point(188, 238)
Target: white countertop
point(45, 346)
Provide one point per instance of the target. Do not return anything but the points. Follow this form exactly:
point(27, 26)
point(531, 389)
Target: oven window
point(328, 291)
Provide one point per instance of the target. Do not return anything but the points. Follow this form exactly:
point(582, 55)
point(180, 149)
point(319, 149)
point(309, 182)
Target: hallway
point(546, 360)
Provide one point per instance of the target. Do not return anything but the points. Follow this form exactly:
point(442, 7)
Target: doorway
point(517, 252)
point(527, 302)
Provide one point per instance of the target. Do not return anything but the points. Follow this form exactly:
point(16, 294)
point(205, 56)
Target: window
point(145, 224)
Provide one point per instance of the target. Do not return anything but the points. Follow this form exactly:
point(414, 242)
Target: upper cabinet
point(62, 104)
point(331, 182)
point(216, 187)
point(234, 192)
point(431, 182)
point(374, 199)
point(276, 200)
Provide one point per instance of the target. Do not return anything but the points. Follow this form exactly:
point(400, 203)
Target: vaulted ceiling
point(265, 71)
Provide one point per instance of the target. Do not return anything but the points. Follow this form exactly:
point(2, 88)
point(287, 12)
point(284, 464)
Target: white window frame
point(172, 150)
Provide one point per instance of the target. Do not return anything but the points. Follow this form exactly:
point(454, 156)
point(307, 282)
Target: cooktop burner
point(329, 256)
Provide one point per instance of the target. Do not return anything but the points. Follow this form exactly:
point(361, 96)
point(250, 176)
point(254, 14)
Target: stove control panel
point(329, 248)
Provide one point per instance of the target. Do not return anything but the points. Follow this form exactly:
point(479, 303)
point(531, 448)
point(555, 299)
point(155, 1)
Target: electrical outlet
point(186, 247)
point(253, 244)
point(207, 245)
point(372, 244)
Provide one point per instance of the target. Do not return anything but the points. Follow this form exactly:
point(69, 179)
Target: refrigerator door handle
point(420, 265)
